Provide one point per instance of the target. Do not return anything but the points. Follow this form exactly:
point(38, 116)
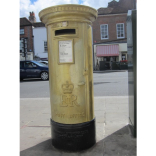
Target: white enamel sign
point(65, 52)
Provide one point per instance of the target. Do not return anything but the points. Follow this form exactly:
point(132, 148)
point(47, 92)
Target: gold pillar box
point(69, 35)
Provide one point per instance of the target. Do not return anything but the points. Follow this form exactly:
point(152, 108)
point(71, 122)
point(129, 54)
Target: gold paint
point(68, 99)
point(67, 88)
point(71, 84)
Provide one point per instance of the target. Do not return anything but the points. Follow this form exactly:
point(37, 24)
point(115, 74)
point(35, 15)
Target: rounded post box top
point(68, 12)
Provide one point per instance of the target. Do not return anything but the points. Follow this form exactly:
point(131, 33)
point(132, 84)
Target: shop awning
point(107, 50)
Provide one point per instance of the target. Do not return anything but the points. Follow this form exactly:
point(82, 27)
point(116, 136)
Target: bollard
point(69, 37)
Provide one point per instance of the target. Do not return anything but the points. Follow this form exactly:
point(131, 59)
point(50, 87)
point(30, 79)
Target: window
point(104, 31)
point(45, 46)
point(29, 65)
point(120, 30)
point(21, 31)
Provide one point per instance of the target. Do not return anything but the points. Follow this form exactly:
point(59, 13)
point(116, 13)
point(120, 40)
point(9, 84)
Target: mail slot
point(64, 31)
point(69, 36)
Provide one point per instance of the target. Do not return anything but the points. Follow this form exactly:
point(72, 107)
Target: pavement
point(113, 136)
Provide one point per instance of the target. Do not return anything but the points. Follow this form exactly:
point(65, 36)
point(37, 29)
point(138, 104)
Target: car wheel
point(44, 76)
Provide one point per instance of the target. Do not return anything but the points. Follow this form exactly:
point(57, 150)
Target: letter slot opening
point(64, 32)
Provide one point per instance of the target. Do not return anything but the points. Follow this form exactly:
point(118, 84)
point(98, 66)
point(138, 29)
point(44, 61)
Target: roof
point(114, 10)
point(25, 22)
point(38, 24)
point(115, 7)
point(103, 11)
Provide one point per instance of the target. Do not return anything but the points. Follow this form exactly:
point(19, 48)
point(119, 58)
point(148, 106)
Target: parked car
point(44, 62)
point(33, 69)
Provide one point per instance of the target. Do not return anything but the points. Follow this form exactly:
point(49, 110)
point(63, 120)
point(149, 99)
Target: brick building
point(110, 33)
point(26, 39)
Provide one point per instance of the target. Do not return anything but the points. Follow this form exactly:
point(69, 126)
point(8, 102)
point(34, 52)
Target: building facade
point(26, 40)
point(110, 33)
point(33, 39)
point(40, 40)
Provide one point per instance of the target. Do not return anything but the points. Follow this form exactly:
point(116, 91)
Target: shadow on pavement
point(120, 143)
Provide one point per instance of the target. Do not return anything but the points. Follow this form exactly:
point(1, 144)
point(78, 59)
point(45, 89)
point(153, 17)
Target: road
point(105, 84)
point(111, 84)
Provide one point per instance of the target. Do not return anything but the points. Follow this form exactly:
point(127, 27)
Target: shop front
point(104, 55)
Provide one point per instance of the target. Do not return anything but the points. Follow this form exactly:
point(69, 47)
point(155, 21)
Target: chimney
point(32, 17)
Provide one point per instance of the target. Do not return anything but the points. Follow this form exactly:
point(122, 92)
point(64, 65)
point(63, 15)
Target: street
point(105, 84)
point(111, 84)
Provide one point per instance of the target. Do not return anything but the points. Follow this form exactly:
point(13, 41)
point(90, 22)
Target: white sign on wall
point(66, 51)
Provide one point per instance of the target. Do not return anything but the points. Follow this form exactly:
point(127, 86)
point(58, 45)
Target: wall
point(29, 56)
point(123, 47)
point(29, 35)
point(40, 35)
point(111, 20)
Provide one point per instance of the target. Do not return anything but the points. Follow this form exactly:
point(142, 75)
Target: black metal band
point(73, 137)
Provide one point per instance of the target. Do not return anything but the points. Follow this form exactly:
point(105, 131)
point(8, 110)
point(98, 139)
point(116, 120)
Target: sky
point(36, 6)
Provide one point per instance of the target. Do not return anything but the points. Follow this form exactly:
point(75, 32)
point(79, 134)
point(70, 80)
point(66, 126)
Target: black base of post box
point(73, 137)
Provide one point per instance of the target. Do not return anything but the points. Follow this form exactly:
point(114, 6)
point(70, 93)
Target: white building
point(40, 40)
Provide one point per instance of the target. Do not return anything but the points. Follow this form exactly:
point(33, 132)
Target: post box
point(69, 38)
